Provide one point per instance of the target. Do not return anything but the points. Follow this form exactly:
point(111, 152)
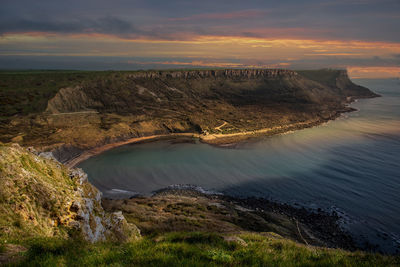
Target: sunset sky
point(360, 35)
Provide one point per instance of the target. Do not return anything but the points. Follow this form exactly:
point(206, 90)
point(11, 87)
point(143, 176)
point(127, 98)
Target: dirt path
point(218, 128)
point(264, 130)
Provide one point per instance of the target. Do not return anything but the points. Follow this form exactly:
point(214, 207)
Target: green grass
point(193, 249)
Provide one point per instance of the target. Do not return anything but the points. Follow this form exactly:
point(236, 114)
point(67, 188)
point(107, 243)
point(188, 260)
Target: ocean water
point(350, 165)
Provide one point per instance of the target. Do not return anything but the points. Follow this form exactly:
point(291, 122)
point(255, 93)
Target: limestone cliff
point(39, 197)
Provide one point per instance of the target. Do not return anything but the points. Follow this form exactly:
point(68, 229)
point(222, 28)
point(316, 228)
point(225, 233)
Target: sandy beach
point(212, 139)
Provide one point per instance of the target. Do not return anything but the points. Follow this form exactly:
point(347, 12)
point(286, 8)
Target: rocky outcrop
point(150, 91)
point(41, 197)
point(226, 73)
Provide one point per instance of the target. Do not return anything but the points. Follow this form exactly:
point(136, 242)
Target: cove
point(350, 165)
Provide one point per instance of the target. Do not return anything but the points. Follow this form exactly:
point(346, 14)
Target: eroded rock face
point(63, 102)
point(89, 217)
point(41, 197)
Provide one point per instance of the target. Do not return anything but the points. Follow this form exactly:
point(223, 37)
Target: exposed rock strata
point(228, 73)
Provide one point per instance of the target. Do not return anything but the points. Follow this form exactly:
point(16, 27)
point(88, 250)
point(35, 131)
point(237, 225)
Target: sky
point(362, 36)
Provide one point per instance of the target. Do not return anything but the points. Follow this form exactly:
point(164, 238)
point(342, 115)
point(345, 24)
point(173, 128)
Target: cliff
point(92, 109)
point(339, 81)
point(181, 90)
point(39, 197)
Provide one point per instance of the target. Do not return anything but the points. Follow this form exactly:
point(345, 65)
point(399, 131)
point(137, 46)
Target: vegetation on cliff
point(39, 197)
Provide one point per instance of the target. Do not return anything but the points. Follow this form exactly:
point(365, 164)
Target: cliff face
point(228, 73)
point(338, 81)
point(40, 197)
point(63, 102)
point(183, 91)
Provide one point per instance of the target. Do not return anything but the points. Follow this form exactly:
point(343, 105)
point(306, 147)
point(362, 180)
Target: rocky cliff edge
point(39, 197)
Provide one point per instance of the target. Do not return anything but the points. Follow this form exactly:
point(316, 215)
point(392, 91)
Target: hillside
point(39, 197)
point(72, 112)
point(51, 216)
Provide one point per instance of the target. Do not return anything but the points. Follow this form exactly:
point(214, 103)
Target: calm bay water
point(350, 165)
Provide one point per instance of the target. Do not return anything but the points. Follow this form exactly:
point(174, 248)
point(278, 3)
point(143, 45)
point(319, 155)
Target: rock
point(48, 155)
point(32, 150)
point(75, 206)
point(79, 174)
point(123, 231)
point(63, 103)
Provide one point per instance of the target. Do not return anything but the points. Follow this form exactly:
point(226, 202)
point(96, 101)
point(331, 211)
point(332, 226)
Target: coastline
point(221, 140)
point(306, 226)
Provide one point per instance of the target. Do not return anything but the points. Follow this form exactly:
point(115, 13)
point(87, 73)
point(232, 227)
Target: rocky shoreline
point(318, 227)
point(325, 226)
point(71, 156)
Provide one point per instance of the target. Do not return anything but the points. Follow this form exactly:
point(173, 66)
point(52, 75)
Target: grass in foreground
point(194, 249)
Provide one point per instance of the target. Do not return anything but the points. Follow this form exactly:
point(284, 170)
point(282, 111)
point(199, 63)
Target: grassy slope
point(33, 195)
point(195, 249)
point(42, 198)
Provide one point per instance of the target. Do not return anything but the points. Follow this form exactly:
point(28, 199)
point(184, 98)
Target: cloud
point(343, 20)
point(105, 25)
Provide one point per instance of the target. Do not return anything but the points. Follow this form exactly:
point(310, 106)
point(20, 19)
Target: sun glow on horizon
point(210, 51)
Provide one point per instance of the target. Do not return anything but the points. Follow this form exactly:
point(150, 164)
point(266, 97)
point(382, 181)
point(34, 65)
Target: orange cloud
point(214, 51)
point(215, 46)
